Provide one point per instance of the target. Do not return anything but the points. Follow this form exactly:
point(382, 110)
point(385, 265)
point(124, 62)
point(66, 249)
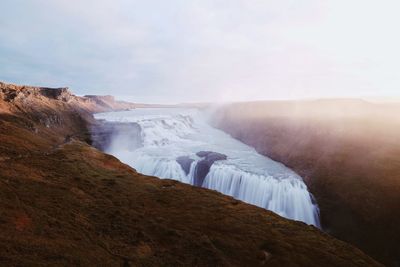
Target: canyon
point(64, 202)
point(179, 144)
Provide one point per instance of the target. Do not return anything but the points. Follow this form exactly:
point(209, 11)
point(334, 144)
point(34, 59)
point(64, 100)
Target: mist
point(203, 51)
point(179, 144)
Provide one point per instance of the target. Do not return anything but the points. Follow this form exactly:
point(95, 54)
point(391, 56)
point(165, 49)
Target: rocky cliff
point(108, 102)
point(65, 203)
point(30, 98)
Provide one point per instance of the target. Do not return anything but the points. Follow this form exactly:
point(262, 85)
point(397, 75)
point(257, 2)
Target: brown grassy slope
point(64, 203)
point(348, 151)
point(77, 206)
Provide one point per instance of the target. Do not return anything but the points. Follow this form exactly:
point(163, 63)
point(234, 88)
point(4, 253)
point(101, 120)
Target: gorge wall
point(348, 152)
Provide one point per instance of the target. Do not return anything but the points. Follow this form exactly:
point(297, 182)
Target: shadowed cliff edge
point(348, 152)
point(65, 203)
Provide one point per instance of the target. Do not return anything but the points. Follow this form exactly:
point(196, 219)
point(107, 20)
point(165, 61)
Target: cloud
point(175, 51)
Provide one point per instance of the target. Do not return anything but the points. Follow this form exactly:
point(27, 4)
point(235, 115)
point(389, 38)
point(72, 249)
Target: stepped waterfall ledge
point(179, 144)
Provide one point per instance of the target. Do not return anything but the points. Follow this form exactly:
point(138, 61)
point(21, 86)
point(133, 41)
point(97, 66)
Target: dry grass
point(68, 204)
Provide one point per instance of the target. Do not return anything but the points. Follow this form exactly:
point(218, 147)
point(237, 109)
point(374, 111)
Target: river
point(179, 144)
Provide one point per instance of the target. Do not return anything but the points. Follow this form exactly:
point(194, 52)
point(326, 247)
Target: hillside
point(32, 98)
point(108, 102)
point(65, 203)
point(348, 152)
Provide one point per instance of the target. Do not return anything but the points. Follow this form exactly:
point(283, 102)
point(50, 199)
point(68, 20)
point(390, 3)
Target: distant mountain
point(109, 103)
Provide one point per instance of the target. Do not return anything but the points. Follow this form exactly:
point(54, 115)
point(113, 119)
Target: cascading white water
point(167, 134)
point(287, 197)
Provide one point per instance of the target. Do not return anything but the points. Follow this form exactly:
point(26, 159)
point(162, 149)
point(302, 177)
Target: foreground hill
point(347, 150)
point(65, 203)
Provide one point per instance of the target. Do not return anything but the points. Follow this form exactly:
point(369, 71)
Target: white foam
point(245, 175)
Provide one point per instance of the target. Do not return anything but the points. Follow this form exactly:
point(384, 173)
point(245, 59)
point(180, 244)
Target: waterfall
point(179, 144)
point(288, 197)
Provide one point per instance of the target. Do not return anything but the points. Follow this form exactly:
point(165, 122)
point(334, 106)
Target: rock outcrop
point(30, 97)
point(204, 165)
point(109, 103)
point(185, 162)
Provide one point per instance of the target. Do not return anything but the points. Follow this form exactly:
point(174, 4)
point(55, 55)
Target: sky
point(158, 51)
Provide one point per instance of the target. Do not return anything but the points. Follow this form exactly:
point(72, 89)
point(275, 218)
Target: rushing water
point(168, 134)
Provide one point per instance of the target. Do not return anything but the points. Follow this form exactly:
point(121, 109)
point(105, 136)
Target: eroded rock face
point(62, 94)
point(204, 165)
point(59, 110)
point(185, 163)
point(10, 92)
point(109, 103)
point(42, 110)
point(31, 96)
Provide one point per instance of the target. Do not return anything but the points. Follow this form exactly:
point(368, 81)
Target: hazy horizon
point(379, 99)
point(204, 51)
